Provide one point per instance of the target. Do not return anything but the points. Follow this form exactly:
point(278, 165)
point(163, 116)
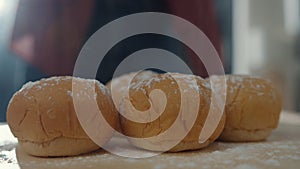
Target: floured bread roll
point(167, 113)
point(253, 106)
point(42, 116)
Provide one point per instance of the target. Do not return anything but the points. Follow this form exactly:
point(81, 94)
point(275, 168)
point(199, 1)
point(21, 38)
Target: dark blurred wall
point(14, 72)
point(225, 17)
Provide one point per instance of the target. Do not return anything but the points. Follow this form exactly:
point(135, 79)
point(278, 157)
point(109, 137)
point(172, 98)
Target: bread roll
point(42, 116)
point(253, 106)
point(186, 103)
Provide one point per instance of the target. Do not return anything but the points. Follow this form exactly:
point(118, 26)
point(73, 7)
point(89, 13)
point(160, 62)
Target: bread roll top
point(119, 86)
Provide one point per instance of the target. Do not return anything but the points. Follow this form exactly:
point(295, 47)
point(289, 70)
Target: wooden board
point(281, 150)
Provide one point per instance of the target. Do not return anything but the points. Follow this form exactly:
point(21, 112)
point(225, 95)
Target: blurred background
point(43, 38)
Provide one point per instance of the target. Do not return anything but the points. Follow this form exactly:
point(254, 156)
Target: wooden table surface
point(281, 150)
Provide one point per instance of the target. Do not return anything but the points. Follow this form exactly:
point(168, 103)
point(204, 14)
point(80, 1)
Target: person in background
point(49, 34)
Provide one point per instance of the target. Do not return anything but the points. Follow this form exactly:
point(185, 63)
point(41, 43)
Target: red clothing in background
point(50, 33)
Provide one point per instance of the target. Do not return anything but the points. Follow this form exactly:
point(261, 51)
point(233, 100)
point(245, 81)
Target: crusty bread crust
point(61, 146)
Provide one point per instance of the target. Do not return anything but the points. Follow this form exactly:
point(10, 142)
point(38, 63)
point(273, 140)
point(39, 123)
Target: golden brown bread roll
point(149, 117)
point(253, 106)
point(42, 116)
